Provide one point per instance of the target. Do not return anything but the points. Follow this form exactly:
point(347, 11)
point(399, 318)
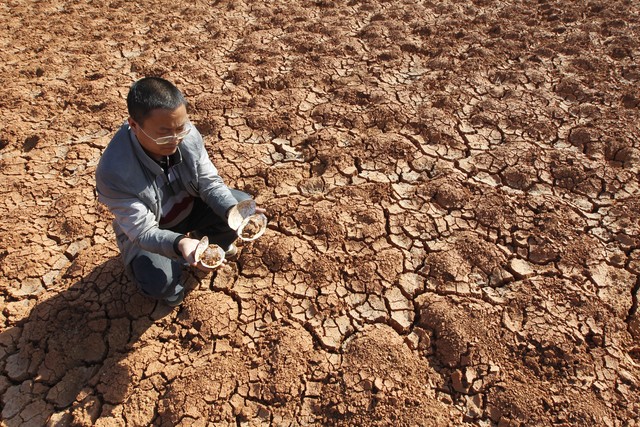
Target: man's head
point(157, 115)
point(151, 93)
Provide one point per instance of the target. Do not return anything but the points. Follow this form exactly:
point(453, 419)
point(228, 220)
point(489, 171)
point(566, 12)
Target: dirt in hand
point(453, 203)
point(253, 228)
point(211, 256)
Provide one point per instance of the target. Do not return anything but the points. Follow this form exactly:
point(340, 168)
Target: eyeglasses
point(168, 139)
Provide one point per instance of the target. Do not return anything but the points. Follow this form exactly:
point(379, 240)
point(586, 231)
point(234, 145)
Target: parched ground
point(454, 205)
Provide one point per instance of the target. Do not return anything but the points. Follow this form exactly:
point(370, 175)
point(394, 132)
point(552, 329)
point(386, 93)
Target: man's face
point(161, 123)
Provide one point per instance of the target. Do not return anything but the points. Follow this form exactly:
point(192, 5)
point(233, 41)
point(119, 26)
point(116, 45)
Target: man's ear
point(132, 124)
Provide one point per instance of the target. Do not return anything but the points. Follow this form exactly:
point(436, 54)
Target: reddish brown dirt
point(452, 188)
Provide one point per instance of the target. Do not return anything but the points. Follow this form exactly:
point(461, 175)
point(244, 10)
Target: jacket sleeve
point(135, 219)
point(212, 188)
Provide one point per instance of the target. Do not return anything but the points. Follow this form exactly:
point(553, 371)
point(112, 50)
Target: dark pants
point(160, 277)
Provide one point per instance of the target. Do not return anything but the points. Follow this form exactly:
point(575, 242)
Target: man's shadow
point(62, 363)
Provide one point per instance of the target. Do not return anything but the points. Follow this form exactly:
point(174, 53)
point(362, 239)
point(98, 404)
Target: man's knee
point(156, 276)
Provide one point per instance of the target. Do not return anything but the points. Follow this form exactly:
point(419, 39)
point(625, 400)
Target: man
point(156, 178)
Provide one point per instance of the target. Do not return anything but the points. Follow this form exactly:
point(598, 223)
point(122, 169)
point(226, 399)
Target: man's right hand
point(187, 247)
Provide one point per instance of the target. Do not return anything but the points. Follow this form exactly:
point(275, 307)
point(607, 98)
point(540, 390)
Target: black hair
point(150, 93)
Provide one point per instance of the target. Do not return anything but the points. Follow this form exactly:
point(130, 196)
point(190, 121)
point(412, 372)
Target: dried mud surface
point(454, 209)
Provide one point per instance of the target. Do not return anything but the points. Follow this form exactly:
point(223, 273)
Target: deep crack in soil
point(452, 190)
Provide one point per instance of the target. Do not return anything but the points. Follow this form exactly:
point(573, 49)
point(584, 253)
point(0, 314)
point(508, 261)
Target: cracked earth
point(452, 189)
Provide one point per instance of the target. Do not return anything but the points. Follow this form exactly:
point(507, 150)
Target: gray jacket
point(126, 184)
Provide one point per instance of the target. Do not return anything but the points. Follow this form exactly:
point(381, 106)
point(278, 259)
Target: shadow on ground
point(66, 355)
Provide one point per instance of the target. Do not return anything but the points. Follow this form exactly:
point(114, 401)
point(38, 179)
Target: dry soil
point(452, 190)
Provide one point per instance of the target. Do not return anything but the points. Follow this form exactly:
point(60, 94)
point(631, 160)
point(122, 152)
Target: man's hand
point(243, 209)
point(187, 248)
